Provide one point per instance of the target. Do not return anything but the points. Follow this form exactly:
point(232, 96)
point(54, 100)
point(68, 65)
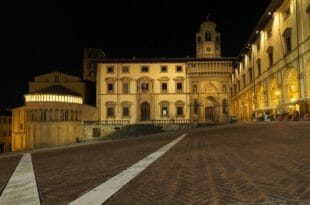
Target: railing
point(106, 122)
point(172, 122)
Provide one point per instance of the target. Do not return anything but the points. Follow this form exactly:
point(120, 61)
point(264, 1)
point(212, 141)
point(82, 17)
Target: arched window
point(207, 36)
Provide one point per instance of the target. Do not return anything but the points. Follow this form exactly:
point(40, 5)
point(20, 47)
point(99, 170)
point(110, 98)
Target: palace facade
point(142, 90)
point(273, 72)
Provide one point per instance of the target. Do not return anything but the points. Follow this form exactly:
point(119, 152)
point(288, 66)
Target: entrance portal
point(209, 113)
point(145, 111)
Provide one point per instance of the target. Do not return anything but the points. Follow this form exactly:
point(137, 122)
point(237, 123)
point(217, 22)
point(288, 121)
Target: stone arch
point(291, 88)
point(211, 109)
point(273, 92)
point(260, 96)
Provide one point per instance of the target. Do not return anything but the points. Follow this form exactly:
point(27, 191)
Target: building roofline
point(56, 89)
point(162, 60)
point(266, 17)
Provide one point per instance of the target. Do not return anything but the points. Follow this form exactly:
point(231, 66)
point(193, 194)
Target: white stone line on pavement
point(104, 191)
point(22, 187)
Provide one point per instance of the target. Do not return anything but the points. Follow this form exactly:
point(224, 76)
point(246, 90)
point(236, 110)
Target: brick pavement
point(262, 163)
point(239, 164)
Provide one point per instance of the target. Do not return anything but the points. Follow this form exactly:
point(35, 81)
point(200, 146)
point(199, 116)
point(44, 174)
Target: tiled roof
point(56, 89)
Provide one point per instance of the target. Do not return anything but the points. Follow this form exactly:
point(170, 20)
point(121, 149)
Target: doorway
point(145, 111)
point(209, 113)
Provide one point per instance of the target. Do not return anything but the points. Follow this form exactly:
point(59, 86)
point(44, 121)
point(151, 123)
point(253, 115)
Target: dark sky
point(42, 37)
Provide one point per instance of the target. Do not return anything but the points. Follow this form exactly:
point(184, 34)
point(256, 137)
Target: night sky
point(42, 37)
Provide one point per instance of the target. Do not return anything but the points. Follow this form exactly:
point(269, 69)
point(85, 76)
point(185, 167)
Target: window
point(198, 39)
point(164, 69)
point(144, 87)
point(259, 67)
point(110, 111)
point(235, 89)
point(125, 69)
point(144, 69)
point(287, 40)
point(179, 68)
point(238, 84)
point(125, 87)
point(125, 111)
point(164, 87)
point(251, 74)
point(179, 110)
point(110, 88)
point(179, 87)
point(110, 69)
point(56, 78)
point(164, 111)
point(270, 55)
point(207, 36)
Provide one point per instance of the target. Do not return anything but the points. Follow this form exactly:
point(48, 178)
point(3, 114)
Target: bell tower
point(208, 41)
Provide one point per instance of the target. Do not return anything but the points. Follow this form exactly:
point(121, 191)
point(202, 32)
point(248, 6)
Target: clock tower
point(208, 41)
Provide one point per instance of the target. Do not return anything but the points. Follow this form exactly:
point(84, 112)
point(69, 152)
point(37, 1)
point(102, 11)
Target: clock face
point(208, 49)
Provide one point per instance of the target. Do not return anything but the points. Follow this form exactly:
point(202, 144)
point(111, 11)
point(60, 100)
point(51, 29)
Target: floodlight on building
point(293, 99)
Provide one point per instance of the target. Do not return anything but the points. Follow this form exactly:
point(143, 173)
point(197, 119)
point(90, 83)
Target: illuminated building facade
point(5, 130)
point(142, 90)
point(273, 72)
point(53, 112)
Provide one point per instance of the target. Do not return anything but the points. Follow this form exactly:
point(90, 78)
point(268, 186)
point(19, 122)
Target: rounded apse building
point(52, 114)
